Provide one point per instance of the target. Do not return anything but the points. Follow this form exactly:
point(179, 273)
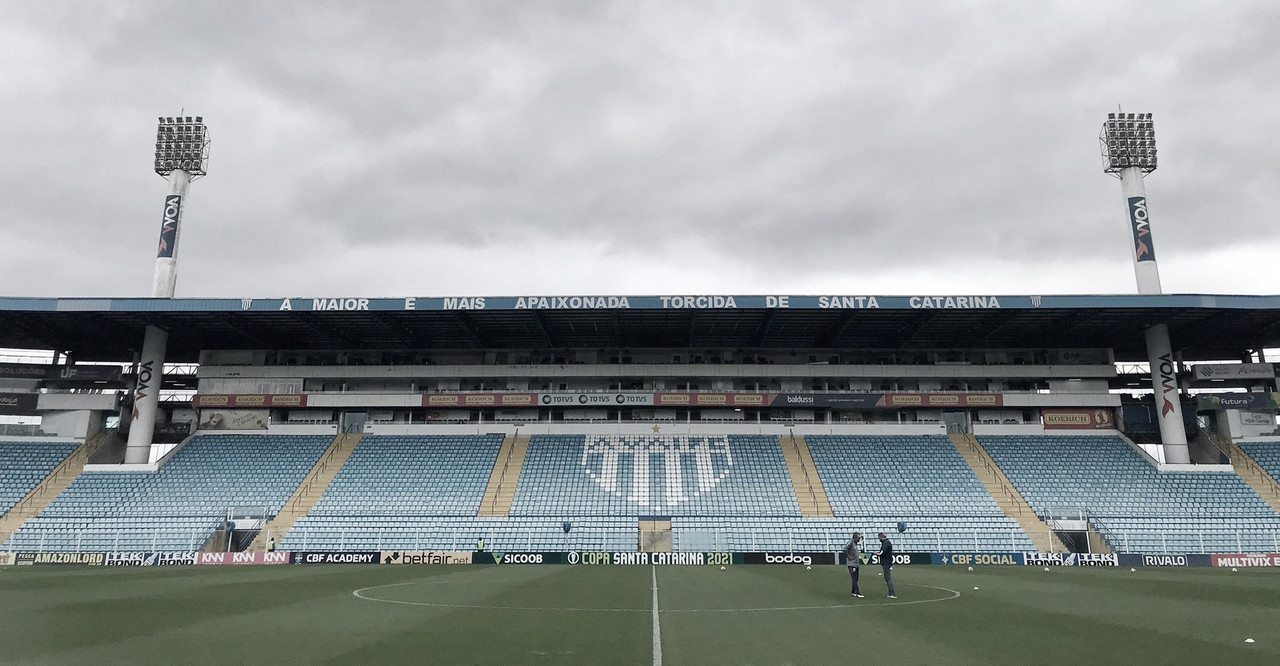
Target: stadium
point(423, 469)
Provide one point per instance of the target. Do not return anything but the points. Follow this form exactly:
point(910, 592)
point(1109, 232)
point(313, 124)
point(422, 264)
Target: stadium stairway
point(308, 492)
point(501, 491)
point(810, 494)
point(1006, 496)
point(35, 501)
point(1253, 474)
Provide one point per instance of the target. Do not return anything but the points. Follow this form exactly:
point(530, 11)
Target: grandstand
point(1136, 507)
point(177, 507)
point(24, 464)
point(649, 423)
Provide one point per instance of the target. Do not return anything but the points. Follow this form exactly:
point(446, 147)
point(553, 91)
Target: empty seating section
point(177, 507)
point(1133, 505)
point(436, 475)
point(450, 533)
point(24, 464)
point(898, 475)
point(399, 491)
point(1266, 454)
point(635, 475)
point(876, 481)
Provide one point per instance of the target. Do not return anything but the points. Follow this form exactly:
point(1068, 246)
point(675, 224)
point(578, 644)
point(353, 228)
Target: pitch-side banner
point(337, 557)
point(782, 557)
point(977, 559)
point(898, 558)
point(1246, 560)
point(1071, 559)
point(39, 559)
point(278, 557)
point(425, 557)
point(8, 559)
point(1191, 560)
point(149, 559)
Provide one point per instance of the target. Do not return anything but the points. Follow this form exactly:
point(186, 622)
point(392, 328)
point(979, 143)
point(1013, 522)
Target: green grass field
point(512, 614)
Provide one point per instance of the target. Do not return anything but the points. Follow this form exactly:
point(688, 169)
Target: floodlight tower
point(1129, 153)
point(182, 155)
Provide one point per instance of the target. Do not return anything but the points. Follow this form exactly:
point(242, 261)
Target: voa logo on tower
point(1143, 249)
point(656, 473)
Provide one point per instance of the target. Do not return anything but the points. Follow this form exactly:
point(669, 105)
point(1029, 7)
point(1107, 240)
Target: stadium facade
point(409, 429)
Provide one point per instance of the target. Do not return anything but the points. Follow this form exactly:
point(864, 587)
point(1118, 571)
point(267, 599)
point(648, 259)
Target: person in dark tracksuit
point(886, 562)
point(853, 556)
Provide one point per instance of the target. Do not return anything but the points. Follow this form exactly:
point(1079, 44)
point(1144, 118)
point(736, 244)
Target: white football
point(808, 568)
point(1046, 568)
point(970, 568)
point(1133, 571)
point(1233, 569)
point(722, 568)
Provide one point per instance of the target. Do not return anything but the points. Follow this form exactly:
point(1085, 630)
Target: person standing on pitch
point(853, 557)
point(886, 562)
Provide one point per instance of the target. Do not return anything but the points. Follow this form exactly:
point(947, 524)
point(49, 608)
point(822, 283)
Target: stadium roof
point(1205, 327)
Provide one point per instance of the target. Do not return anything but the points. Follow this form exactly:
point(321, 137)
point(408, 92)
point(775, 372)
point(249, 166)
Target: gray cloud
point(391, 148)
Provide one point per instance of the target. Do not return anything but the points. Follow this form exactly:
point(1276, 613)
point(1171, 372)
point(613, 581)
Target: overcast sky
point(522, 148)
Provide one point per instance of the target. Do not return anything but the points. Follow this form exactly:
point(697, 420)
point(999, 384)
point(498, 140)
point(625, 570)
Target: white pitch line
point(657, 628)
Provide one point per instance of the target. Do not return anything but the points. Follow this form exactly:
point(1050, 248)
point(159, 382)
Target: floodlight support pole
point(146, 396)
point(146, 393)
point(1164, 376)
point(1144, 252)
point(1164, 386)
point(1128, 148)
point(166, 274)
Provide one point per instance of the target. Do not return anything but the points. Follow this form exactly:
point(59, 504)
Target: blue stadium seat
point(178, 507)
point(1134, 506)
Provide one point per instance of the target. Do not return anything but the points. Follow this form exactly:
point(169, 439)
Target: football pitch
point(516, 614)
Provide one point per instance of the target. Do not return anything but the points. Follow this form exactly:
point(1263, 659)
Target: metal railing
point(1128, 541)
point(309, 484)
point(1204, 541)
point(109, 541)
point(804, 470)
point(463, 539)
point(80, 456)
point(833, 540)
point(1006, 486)
point(1262, 476)
point(502, 478)
point(21, 430)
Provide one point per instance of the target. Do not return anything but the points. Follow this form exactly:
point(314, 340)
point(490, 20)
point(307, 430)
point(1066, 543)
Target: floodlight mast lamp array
point(1129, 153)
point(182, 155)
